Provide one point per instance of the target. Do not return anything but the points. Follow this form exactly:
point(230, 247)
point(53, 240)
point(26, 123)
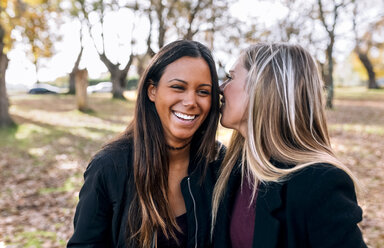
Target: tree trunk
point(140, 65)
point(72, 88)
point(35, 62)
point(142, 61)
point(329, 78)
point(5, 118)
point(162, 27)
point(372, 84)
point(81, 78)
point(118, 78)
point(161, 38)
point(72, 81)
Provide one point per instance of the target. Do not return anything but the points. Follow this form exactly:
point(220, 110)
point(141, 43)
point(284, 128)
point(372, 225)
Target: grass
point(43, 158)
point(35, 239)
point(359, 94)
point(359, 128)
point(70, 185)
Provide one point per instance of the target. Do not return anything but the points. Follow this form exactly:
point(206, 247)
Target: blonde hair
point(286, 119)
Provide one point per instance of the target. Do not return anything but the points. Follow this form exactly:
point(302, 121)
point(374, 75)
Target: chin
point(226, 126)
point(182, 136)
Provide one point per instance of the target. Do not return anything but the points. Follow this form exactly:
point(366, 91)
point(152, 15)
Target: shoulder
point(320, 174)
point(322, 197)
point(320, 182)
point(113, 160)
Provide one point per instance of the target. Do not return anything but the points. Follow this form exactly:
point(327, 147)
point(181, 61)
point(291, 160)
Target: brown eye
point(178, 87)
point(204, 92)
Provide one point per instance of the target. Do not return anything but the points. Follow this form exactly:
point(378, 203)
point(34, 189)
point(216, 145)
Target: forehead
point(188, 68)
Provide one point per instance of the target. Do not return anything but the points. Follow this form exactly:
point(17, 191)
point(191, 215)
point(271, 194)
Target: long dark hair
point(149, 210)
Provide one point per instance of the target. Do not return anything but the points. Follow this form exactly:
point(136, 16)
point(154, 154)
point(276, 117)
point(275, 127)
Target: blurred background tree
point(34, 25)
point(140, 28)
point(76, 13)
point(365, 40)
point(96, 13)
point(328, 13)
point(30, 19)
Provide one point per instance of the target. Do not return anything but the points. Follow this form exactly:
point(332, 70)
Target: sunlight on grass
point(74, 120)
point(131, 95)
point(102, 133)
point(359, 93)
point(26, 130)
point(359, 128)
point(37, 151)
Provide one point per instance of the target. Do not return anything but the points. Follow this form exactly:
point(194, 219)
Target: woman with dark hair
point(152, 186)
point(281, 185)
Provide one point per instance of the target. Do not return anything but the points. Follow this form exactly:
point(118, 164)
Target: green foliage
point(61, 81)
point(94, 81)
point(7, 135)
point(132, 83)
point(30, 18)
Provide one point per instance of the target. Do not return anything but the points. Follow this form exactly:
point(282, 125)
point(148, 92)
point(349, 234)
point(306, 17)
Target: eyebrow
point(185, 82)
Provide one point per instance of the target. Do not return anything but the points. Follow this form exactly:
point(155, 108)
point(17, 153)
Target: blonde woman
point(280, 183)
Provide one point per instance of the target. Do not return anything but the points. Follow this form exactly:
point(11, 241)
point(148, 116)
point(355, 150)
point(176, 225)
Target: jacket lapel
point(221, 233)
point(266, 225)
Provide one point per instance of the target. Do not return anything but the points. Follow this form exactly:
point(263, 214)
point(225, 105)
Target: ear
point(152, 90)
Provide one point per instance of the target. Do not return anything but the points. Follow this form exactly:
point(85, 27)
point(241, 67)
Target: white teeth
point(185, 117)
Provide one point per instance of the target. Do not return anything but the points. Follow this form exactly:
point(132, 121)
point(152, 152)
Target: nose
point(189, 99)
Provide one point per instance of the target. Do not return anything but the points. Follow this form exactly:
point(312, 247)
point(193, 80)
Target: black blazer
point(315, 207)
point(104, 200)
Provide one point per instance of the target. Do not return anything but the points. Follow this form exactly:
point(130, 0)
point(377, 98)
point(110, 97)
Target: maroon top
point(163, 242)
point(243, 217)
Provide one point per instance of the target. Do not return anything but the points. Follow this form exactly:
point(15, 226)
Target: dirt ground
point(42, 160)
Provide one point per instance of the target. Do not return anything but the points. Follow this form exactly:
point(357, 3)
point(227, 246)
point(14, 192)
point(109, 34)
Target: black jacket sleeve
point(93, 212)
point(334, 212)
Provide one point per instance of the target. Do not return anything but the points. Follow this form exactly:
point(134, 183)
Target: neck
point(179, 159)
point(177, 148)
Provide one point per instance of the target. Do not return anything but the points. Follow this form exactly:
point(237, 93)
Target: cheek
point(206, 106)
point(230, 96)
point(236, 101)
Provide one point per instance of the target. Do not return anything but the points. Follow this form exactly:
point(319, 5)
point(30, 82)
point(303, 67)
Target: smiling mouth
point(184, 117)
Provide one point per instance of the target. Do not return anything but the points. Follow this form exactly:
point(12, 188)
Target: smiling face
point(235, 99)
point(182, 98)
